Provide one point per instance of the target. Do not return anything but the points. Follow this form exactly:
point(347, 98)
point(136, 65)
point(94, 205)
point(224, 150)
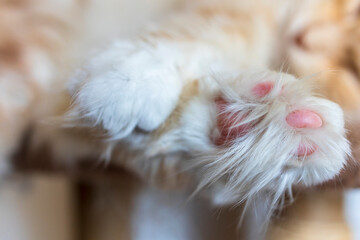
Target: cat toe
point(262, 89)
point(304, 118)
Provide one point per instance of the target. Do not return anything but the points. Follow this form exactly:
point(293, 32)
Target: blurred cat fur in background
point(223, 94)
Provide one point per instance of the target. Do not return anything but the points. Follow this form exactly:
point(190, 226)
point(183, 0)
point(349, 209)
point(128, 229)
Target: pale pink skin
point(262, 89)
point(301, 118)
point(304, 118)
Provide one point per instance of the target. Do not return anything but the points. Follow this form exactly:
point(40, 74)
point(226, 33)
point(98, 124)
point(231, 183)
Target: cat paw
point(271, 132)
point(124, 86)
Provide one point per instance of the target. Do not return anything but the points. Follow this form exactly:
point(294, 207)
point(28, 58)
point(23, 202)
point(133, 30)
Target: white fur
point(136, 83)
point(121, 83)
point(122, 88)
point(263, 160)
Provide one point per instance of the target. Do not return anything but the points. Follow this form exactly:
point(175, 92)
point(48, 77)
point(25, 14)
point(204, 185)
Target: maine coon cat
point(201, 92)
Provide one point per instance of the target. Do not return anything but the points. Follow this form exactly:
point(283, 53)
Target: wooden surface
point(315, 215)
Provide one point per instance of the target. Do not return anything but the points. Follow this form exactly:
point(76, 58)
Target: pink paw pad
point(262, 89)
point(304, 150)
point(230, 129)
point(228, 124)
point(304, 118)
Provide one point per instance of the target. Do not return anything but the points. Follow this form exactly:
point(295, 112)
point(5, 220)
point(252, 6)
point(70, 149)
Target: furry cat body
point(155, 96)
point(204, 40)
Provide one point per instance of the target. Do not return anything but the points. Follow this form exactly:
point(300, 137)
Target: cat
point(201, 93)
point(246, 128)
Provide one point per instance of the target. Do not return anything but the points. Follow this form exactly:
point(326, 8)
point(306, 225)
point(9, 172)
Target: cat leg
point(137, 82)
point(259, 123)
point(262, 130)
